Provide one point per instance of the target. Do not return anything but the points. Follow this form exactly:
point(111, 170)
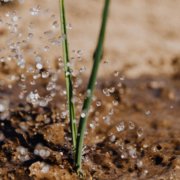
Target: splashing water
point(120, 127)
point(34, 11)
point(33, 98)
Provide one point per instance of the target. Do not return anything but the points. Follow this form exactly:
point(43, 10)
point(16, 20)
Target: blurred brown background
point(143, 36)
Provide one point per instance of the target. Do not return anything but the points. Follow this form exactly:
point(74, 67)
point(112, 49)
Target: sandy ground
point(143, 36)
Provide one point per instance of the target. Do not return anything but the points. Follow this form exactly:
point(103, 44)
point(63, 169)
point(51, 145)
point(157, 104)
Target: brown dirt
point(147, 147)
point(133, 128)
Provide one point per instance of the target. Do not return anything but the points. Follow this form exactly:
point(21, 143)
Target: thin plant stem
point(69, 87)
point(87, 102)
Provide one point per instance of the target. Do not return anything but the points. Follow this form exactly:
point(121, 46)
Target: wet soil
point(133, 133)
point(133, 128)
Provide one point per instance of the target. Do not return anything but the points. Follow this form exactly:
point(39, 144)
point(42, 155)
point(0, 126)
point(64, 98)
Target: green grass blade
point(87, 102)
point(69, 88)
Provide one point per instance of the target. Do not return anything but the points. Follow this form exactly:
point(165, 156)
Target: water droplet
point(88, 93)
point(34, 11)
point(98, 103)
point(115, 103)
point(45, 168)
point(68, 73)
point(55, 25)
point(7, 14)
point(30, 36)
point(48, 33)
point(112, 138)
point(51, 86)
point(106, 62)
point(38, 59)
point(2, 108)
point(33, 97)
point(45, 74)
point(47, 120)
point(54, 77)
point(148, 113)
point(139, 164)
point(23, 126)
point(23, 153)
point(4, 105)
point(122, 78)
point(21, 62)
point(131, 125)
point(82, 69)
point(33, 82)
point(107, 119)
point(6, 1)
point(79, 53)
point(39, 66)
point(111, 112)
point(171, 107)
point(106, 92)
point(111, 90)
point(120, 127)
point(23, 77)
point(140, 132)
point(91, 125)
point(14, 18)
point(42, 152)
point(21, 150)
point(145, 172)
point(132, 152)
point(69, 26)
point(116, 73)
point(124, 155)
point(83, 115)
point(46, 48)
point(36, 76)
point(63, 114)
point(43, 102)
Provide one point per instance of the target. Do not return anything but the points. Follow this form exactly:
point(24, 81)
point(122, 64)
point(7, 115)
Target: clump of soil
point(133, 133)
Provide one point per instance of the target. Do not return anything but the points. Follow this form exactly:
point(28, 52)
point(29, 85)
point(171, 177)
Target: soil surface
point(133, 133)
point(133, 126)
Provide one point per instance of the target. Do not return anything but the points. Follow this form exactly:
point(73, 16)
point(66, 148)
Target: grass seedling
point(79, 139)
point(87, 102)
point(69, 87)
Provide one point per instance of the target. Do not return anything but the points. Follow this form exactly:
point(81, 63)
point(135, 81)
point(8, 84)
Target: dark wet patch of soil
point(133, 133)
